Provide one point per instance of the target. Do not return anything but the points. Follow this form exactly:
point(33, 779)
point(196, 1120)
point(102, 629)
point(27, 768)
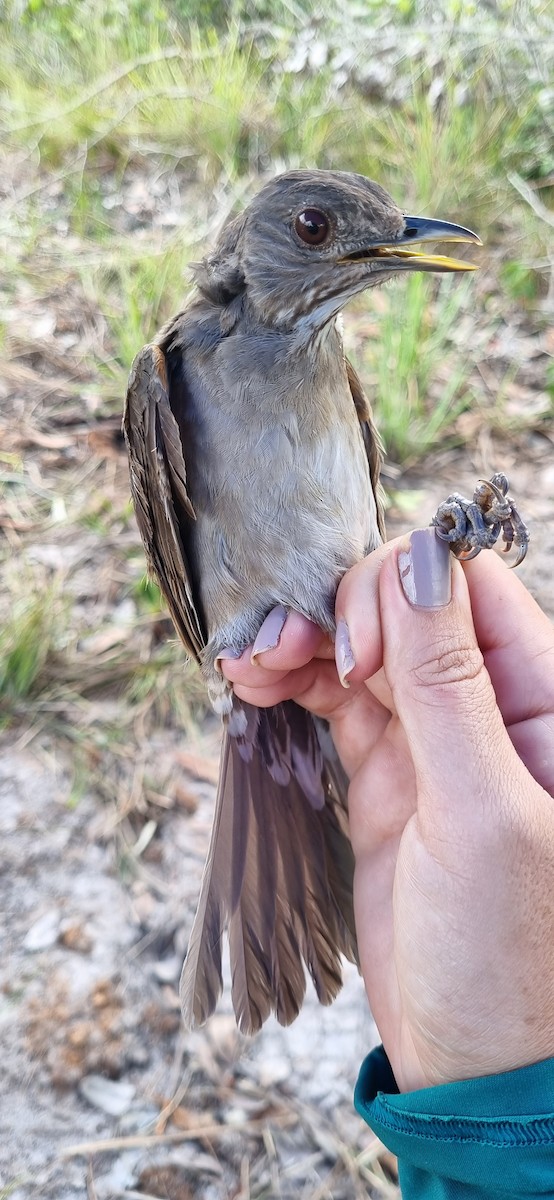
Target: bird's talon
point(470, 526)
point(500, 481)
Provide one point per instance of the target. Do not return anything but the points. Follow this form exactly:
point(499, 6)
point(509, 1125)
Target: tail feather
point(279, 873)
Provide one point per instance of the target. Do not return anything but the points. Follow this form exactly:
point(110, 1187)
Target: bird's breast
point(279, 480)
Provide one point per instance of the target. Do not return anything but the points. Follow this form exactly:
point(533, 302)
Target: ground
point(107, 781)
point(93, 1055)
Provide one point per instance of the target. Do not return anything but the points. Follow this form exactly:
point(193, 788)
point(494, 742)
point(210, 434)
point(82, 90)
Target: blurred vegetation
point(130, 129)
point(443, 103)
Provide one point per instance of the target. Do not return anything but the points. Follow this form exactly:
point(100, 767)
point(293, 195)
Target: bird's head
point(310, 240)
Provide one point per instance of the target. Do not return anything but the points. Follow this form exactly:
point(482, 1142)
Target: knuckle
point(449, 665)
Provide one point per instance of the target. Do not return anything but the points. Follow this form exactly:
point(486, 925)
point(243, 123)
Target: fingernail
point(270, 632)
point(344, 657)
point(425, 570)
point(227, 653)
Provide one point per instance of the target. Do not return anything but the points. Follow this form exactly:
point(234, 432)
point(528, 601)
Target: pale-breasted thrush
point(255, 476)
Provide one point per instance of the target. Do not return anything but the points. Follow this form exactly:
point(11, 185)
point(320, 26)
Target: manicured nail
point(425, 571)
point(227, 653)
point(344, 657)
point(270, 632)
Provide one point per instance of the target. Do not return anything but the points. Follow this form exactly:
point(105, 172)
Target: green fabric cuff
point(489, 1137)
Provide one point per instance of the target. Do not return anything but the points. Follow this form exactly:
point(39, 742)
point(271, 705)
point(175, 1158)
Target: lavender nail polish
point(344, 657)
point(228, 652)
point(425, 570)
point(225, 654)
point(270, 632)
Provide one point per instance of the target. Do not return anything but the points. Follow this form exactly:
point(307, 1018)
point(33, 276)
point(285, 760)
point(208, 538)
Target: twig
point(244, 1193)
point(150, 1141)
point(345, 1157)
point(540, 210)
point(92, 1194)
point(269, 1146)
point(323, 1189)
point(172, 1104)
point(178, 1083)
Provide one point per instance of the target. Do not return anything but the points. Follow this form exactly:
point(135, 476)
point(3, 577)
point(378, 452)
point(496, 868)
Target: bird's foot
point(473, 525)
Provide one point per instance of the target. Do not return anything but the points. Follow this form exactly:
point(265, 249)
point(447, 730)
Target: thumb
point(462, 754)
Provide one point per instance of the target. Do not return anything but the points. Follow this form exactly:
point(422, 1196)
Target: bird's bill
point(398, 254)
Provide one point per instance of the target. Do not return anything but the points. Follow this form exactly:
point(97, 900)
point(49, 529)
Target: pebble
point(167, 970)
point(109, 1095)
point(139, 1118)
point(44, 932)
point(273, 1071)
point(119, 1179)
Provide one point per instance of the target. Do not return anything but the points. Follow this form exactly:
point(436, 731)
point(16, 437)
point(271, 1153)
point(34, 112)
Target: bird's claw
point(470, 526)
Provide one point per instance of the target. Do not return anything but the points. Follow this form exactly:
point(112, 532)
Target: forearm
point(480, 1139)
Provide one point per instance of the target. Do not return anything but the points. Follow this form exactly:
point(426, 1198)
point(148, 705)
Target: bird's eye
point(312, 226)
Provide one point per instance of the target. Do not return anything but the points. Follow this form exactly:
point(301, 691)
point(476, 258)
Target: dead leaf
point(206, 769)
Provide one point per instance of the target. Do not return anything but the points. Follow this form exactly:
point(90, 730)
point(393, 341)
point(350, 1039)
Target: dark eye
point(312, 226)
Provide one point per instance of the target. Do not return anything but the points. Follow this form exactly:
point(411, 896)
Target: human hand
point(450, 750)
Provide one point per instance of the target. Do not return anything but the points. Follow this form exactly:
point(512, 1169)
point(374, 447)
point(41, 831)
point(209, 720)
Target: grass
point(137, 290)
point(27, 641)
point(418, 381)
point(216, 104)
point(228, 104)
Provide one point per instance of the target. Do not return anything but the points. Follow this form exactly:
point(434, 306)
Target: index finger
point(515, 637)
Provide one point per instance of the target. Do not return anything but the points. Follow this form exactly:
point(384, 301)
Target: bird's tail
point(279, 872)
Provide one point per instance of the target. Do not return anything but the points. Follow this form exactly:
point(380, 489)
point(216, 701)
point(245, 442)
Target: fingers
point(267, 673)
point(534, 741)
point(272, 669)
point(465, 765)
point(359, 643)
point(309, 685)
point(281, 646)
point(516, 637)
point(301, 667)
point(284, 645)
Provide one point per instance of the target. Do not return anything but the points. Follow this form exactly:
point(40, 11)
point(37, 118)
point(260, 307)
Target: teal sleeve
point(481, 1139)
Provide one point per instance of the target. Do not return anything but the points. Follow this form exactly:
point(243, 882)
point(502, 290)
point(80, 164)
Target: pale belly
point(286, 542)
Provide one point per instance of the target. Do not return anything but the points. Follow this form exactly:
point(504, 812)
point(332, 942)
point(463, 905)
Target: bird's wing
point(159, 489)
point(372, 442)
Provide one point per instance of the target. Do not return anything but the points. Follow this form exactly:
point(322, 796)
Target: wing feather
point(372, 441)
point(159, 489)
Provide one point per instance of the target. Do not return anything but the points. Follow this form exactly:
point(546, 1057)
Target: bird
point(254, 467)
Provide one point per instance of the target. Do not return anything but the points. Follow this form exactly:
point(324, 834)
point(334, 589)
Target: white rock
point(110, 1095)
point(44, 932)
point(273, 1071)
